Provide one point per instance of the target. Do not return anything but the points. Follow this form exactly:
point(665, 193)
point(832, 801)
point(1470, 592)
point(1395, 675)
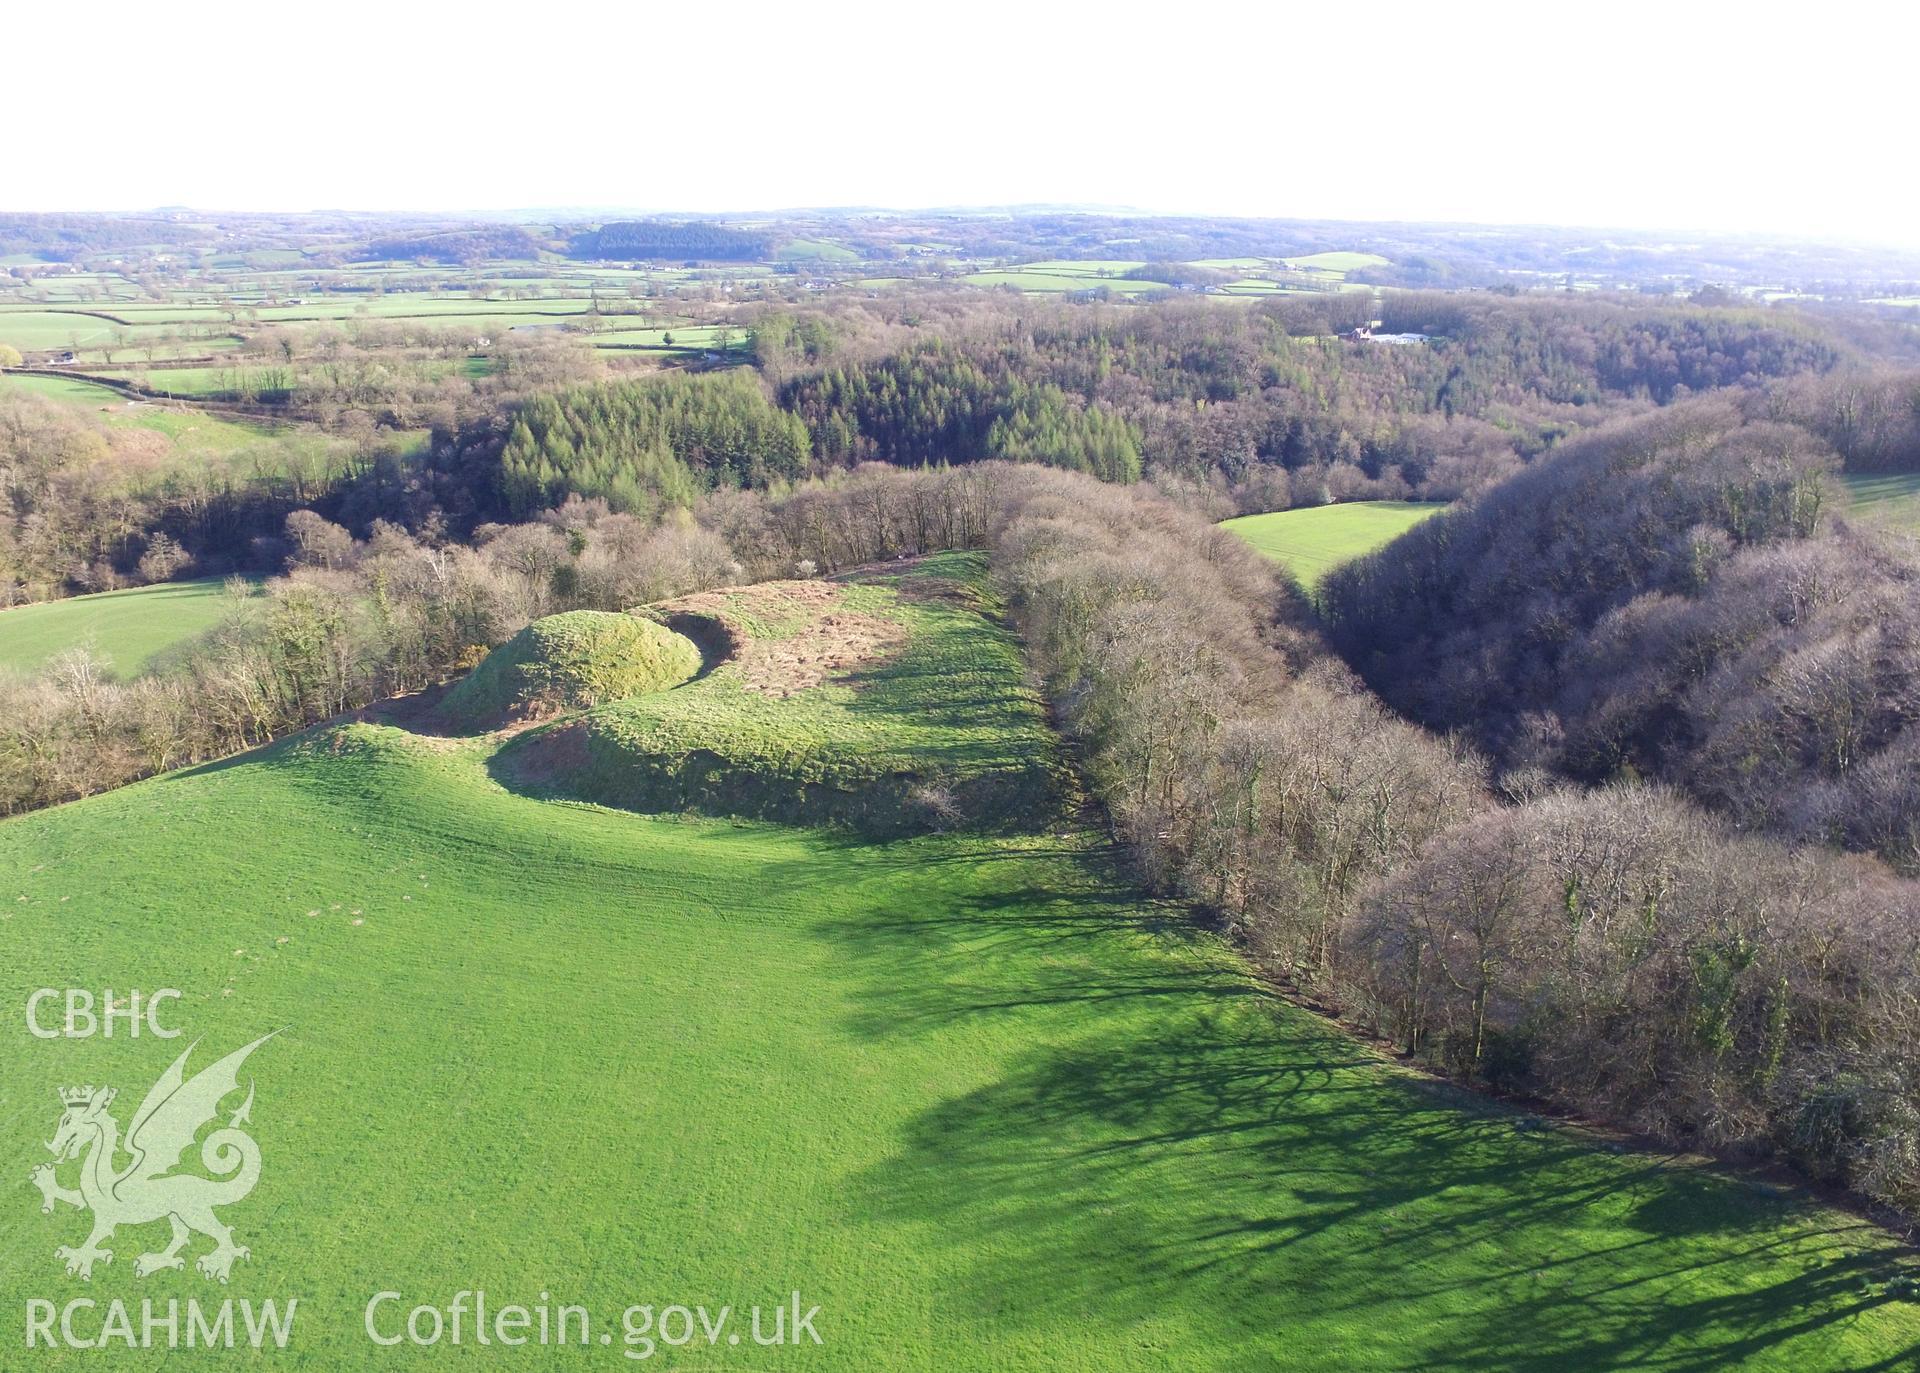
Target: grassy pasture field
point(35, 330)
point(178, 381)
point(968, 1093)
point(128, 628)
point(656, 335)
point(1341, 262)
point(1892, 501)
point(188, 429)
point(1313, 540)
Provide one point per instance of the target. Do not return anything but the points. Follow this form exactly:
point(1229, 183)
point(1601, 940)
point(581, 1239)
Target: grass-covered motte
point(893, 702)
point(968, 1093)
point(1313, 540)
point(570, 662)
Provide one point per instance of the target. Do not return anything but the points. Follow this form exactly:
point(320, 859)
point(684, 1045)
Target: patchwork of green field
point(129, 629)
point(969, 1095)
point(385, 305)
point(152, 335)
point(253, 289)
point(1893, 501)
point(53, 327)
point(1257, 276)
point(1313, 540)
point(73, 292)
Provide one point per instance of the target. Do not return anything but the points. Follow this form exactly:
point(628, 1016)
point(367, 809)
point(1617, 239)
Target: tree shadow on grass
point(1283, 1185)
point(1177, 1149)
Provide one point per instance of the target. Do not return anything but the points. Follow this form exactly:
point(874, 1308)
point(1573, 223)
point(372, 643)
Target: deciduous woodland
point(1246, 409)
point(1601, 787)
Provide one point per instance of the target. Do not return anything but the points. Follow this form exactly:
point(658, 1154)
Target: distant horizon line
point(558, 213)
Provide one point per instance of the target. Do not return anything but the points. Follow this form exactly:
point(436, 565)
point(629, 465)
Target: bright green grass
point(38, 330)
point(189, 429)
point(1312, 541)
point(128, 628)
point(568, 662)
point(179, 381)
point(1893, 501)
point(68, 390)
point(971, 1096)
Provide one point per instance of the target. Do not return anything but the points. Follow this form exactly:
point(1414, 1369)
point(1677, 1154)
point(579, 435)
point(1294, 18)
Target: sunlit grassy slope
point(1310, 542)
point(128, 628)
point(1892, 501)
point(188, 430)
point(970, 1094)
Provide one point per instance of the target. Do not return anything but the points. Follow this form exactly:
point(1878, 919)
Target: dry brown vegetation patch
point(795, 635)
point(831, 647)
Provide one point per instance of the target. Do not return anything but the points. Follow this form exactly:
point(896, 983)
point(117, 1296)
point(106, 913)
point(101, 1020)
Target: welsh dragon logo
point(148, 1189)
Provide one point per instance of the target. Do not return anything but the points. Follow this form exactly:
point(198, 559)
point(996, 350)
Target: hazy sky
point(1676, 115)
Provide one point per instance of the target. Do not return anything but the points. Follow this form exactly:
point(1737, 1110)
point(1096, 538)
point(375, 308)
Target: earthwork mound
point(569, 662)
